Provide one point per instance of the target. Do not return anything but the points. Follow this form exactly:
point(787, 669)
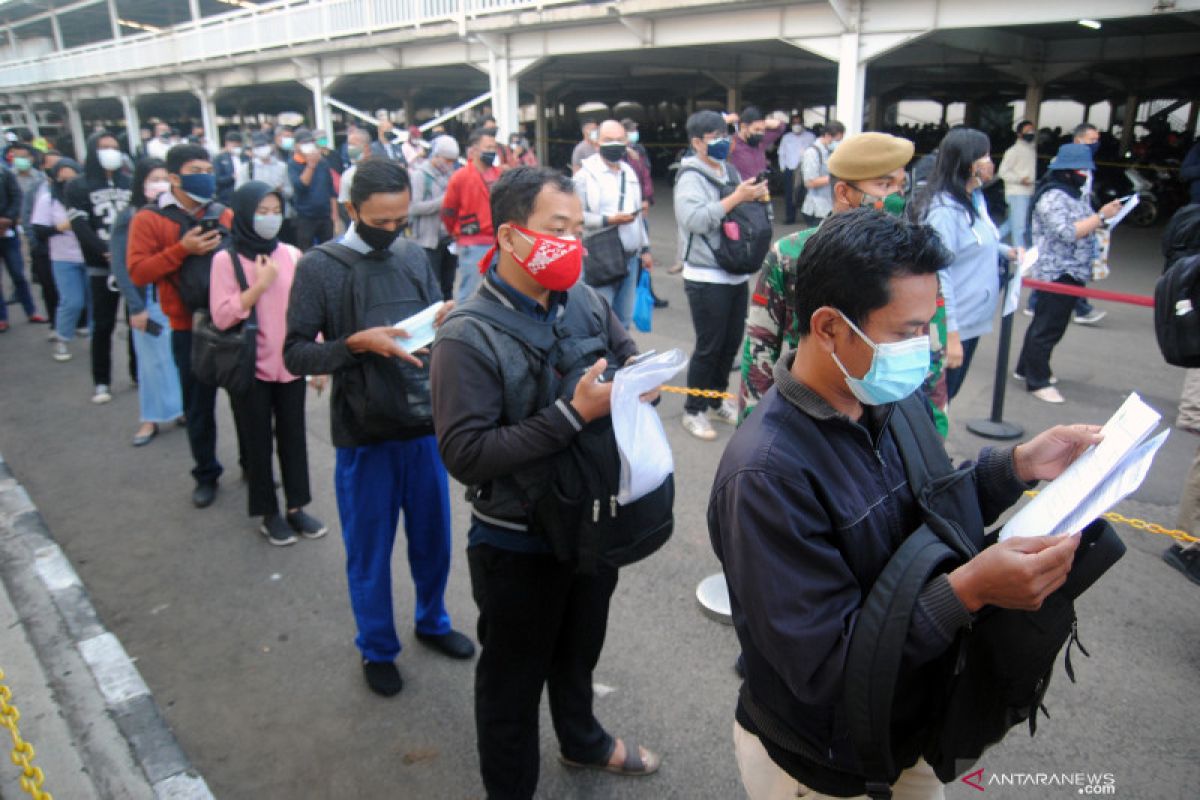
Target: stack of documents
point(1099, 479)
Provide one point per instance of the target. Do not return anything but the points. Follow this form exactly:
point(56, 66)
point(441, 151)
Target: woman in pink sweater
point(276, 400)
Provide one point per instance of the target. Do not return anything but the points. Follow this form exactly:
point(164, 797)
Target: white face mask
point(110, 159)
point(268, 225)
point(263, 151)
point(235, 151)
point(154, 188)
point(797, 129)
point(308, 148)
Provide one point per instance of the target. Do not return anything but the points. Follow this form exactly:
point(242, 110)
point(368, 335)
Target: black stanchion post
point(995, 427)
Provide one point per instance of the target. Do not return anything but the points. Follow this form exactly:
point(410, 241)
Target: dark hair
point(478, 134)
point(703, 122)
point(377, 176)
point(959, 149)
point(834, 128)
point(1023, 123)
point(750, 114)
point(181, 154)
point(19, 146)
point(141, 171)
point(233, 136)
point(1083, 128)
point(514, 195)
point(851, 259)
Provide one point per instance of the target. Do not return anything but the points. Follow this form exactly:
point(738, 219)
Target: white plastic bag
point(645, 454)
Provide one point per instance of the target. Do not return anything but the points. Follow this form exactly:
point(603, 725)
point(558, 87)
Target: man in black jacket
point(378, 474)
point(541, 621)
point(94, 200)
point(11, 204)
point(811, 500)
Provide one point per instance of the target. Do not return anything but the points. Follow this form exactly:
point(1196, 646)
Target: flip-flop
point(632, 766)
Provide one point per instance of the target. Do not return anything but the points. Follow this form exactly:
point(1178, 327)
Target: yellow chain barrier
point(22, 752)
point(711, 394)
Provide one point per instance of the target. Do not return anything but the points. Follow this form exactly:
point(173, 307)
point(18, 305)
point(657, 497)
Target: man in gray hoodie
point(717, 298)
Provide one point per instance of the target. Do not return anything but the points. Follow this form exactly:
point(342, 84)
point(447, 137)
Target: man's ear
point(825, 326)
point(504, 239)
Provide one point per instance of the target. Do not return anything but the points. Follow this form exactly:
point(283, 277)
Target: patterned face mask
point(553, 262)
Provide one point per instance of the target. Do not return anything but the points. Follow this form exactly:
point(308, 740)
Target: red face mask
point(553, 262)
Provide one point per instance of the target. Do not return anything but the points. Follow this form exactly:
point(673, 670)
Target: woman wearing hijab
point(159, 397)
point(1064, 232)
point(952, 203)
point(276, 399)
point(51, 221)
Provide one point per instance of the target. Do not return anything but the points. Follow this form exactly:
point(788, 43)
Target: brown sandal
point(638, 761)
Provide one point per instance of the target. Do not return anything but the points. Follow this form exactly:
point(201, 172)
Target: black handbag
point(226, 358)
point(604, 260)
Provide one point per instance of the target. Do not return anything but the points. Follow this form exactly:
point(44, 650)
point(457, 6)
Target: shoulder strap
point(240, 274)
point(346, 256)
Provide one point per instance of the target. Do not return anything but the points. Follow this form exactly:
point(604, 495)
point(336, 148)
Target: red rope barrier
point(1096, 294)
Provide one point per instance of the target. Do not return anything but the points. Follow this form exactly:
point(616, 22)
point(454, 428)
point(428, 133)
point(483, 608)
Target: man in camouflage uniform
point(867, 170)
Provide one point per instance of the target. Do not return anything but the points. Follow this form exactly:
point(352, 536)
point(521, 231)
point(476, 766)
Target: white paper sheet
point(1013, 298)
point(1095, 482)
point(419, 328)
point(1128, 206)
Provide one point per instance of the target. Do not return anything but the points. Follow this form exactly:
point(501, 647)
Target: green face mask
point(322, 143)
point(893, 204)
point(22, 164)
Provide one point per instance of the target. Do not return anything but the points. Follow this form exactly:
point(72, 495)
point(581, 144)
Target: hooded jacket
point(93, 201)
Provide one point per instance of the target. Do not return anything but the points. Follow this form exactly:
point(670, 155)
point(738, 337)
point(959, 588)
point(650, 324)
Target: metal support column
point(113, 16)
point(874, 112)
point(75, 123)
point(540, 129)
point(851, 84)
point(1193, 109)
point(1033, 102)
point(56, 30)
point(208, 116)
point(733, 100)
point(31, 120)
point(1128, 121)
point(132, 123)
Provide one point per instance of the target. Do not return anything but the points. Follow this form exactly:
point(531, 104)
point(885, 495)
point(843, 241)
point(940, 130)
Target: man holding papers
point(352, 294)
point(811, 501)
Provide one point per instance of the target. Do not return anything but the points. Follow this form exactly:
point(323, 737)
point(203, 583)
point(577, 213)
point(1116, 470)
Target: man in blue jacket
point(811, 501)
point(313, 195)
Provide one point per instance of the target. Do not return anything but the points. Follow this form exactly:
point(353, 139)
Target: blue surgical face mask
point(897, 369)
point(633, 137)
point(200, 186)
point(718, 149)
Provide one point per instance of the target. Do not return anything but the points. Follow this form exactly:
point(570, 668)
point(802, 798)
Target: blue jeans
point(620, 295)
point(10, 251)
point(160, 397)
point(74, 295)
point(1018, 212)
point(469, 276)
point(374, 483)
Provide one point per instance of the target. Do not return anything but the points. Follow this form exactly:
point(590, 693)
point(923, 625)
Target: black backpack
point(380, 397)
point(745, 231)
point(994, 675)
point(577, 509)
point(1177, 292)
point(192, 279)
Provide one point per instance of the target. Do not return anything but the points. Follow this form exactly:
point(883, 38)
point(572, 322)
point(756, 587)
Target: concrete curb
point(46, 590)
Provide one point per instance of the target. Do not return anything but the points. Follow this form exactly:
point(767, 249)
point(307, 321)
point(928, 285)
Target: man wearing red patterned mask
point(502, 414)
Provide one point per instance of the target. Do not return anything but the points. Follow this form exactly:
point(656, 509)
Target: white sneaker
point(1089, 319)
point(61, 353)
point(726, 412)
point(102, 394)
point(82, 333)
point(1049, 394)
point(1020, 377)
point(1027, 311)
point(698, 425)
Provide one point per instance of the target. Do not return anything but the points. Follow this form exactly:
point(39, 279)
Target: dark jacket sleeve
point(12, 197)
point(1190, 169)
point(79, 211)
point(796, 591)
point(996, 482)
point(134, 297)
point(226, 172)
point(467, 389)
point(310, 313)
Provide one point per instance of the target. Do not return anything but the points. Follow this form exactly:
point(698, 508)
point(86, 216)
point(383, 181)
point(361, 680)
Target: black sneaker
point(452, 643)
point(204, 494)
point(1184, 559)
point(307, 526)
point(276, 530)
point(383, 677)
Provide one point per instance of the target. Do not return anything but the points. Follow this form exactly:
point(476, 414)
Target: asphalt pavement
point(248, 649)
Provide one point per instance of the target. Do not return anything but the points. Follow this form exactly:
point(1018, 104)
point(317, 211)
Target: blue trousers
point(374, 483)
point(620, 295)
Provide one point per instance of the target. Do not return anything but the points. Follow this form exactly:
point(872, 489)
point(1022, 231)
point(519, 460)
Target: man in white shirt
point(1018, 170)
point(612, 197)
point(818, 202)
point(791, 152)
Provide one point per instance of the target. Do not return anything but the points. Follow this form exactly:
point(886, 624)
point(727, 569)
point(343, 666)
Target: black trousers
point(445, 266)
point(105, 305)
point(200, 406)
point(956, 376)
point(43, 275)
point(279, 407)
point(311, 231)
point(540, 624)
point(1051, 316)
point(719, 319)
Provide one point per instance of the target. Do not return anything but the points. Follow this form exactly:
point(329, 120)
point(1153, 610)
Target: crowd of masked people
point(853, 335)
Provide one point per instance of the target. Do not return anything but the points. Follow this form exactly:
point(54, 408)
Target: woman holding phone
point(159, 397)
point(275, 401)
